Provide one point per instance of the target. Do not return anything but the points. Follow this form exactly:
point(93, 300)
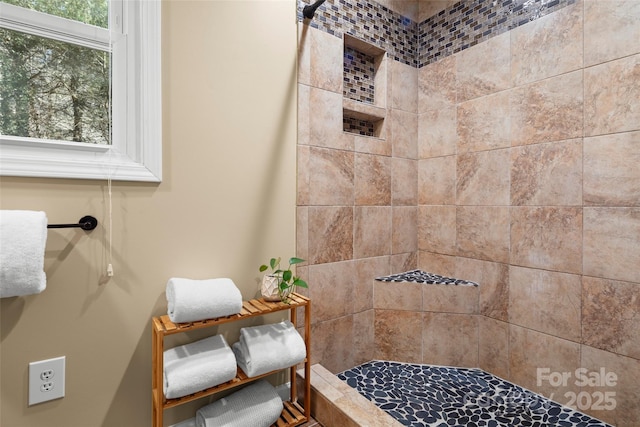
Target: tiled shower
point(496, 142)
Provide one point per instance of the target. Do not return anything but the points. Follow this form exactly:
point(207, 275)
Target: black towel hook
point(87, 223)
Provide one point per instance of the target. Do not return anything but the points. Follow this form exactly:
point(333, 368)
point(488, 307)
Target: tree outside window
point(51, 89)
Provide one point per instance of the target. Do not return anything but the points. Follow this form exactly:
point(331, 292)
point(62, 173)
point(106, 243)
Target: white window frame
point(135, 153)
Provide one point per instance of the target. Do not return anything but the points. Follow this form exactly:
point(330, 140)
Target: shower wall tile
point(372, 180)
point(483, 232)
point(611, 249)
point(398, 296)
point(404, 182)
point(403, 89)
point(493, 280)
point(363, 337)
point(626, 390)
point(302, 232)
point(450, 339)
point(372, 231)
point(404, 236)
point(303, 162)
point(437, 229)
point(547, 174)
point(404, 134)
point(450, 299)
point(547, 237)
point(611, 172)
point(404, 262)
point(493, 340)
point(330, 234)
point(366, 269)
point(380, 146)
point(549, 110)
point(545, 301)
point(437, 133)
point(531, 350)
point(398, 335)
point(437, 181)
point(408, 8)
point(332, 290)
point(611, 94)
point(548, 46)
point(611, 316)
point(339, 332)
point(484, 68)
point(484, 123)
point(482, 178)
point(426, 9)
point(304, 54)
point(304, 93)
point(444, 265)
point(437, 85)
point(611, 30)
point(325, 64)
point(331, 177)
point(325, 120)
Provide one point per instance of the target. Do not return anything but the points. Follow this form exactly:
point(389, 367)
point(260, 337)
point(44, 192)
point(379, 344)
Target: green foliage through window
point(51, 89)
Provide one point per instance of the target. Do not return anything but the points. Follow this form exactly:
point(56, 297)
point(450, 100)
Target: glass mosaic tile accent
point(358, 126)
point(359, 73)
point(438, 396)
point(419, 276)
point(456, 28)
point(470, 22)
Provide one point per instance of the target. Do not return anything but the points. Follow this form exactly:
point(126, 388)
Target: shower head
point(309, 10)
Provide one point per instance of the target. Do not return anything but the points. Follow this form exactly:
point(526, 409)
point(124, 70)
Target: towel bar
point(87, 223)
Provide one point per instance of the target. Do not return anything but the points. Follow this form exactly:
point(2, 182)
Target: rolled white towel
point(190, 300)
point(197, 366)
point(23, 236)
point(266, 348)
point(257, 405)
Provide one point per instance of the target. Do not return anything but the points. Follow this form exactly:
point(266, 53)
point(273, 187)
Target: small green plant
point(287, 282)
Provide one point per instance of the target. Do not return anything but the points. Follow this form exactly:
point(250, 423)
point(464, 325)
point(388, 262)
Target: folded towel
point(198, 365)
point(266, 348)
point(190, 300)
point(191, 422)
point(257, 405)
point(23, 235)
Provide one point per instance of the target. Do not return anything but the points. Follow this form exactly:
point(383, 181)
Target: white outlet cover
point(56, 388)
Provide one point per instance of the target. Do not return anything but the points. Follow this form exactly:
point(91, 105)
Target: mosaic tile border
point(419, 276)
point(359, 76)
point(427, 395)
point(456, 28)
point(470, 22)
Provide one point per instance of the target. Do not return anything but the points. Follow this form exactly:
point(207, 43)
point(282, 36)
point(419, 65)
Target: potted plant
point(277, 285)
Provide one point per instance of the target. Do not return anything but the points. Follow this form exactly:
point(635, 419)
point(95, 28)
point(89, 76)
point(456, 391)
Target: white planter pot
point(269, 288)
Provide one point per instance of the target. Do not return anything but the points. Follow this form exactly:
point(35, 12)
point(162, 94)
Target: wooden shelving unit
point(293, 413)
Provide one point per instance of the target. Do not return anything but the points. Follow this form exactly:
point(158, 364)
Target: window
point(60, 123)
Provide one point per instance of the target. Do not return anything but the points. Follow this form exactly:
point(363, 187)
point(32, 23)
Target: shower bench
point(293, 413)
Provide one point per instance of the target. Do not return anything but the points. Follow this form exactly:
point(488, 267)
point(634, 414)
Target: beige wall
point(227, 203)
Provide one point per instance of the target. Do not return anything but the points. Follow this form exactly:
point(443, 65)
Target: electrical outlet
point(46, 380)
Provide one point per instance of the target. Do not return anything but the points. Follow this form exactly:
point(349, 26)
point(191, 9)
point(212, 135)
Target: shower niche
point(364, 89)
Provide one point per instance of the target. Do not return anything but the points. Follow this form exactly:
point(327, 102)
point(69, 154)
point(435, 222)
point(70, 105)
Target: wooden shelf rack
point(293, 413)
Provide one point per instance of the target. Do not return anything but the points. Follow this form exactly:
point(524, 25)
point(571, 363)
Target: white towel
point(191, 422)
point(197, 366)
point(190, 300)
point(266, 348)
point(257, 405)
point(23, 235)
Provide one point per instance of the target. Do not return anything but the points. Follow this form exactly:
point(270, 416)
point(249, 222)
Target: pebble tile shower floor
point(437, 396)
